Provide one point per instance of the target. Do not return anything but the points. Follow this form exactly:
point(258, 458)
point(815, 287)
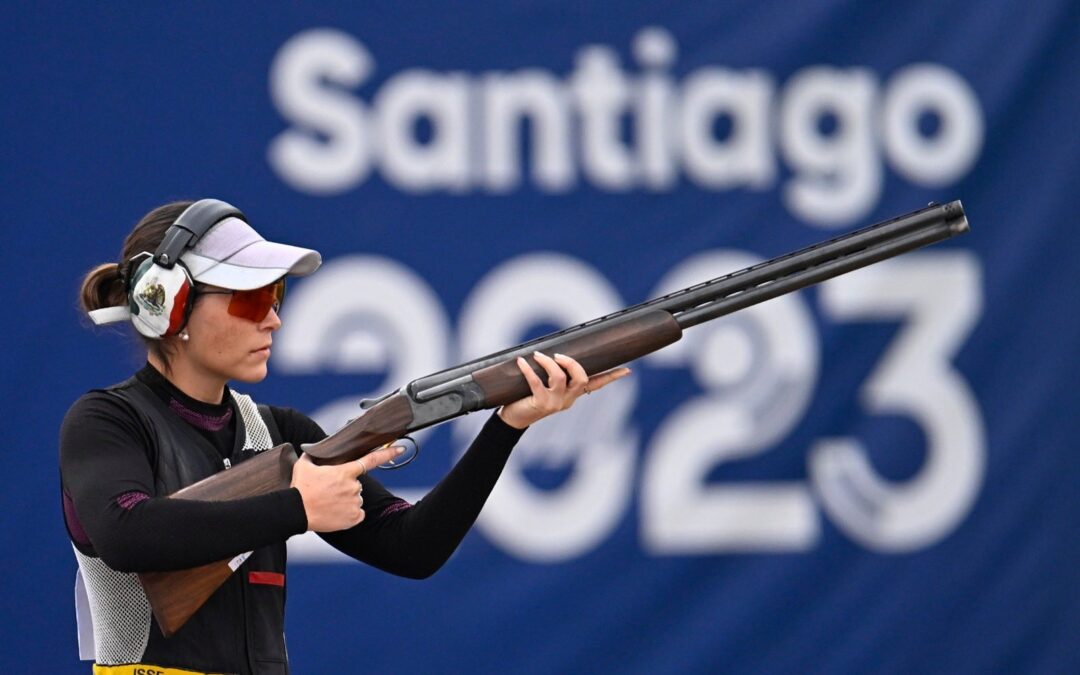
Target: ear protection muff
point(160, 288)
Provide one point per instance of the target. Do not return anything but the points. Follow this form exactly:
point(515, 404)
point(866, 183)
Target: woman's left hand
point(559, 394)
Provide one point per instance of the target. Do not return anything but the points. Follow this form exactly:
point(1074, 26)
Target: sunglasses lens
point(255, 304)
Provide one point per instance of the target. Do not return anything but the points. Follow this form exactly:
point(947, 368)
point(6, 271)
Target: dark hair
point(105, 285)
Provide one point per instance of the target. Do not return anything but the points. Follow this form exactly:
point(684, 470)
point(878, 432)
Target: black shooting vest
point(240, 629)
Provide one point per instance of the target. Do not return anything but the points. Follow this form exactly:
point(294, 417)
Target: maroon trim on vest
point(198, 419)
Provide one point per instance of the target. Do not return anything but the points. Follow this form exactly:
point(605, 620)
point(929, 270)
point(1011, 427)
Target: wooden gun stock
point(174, 596)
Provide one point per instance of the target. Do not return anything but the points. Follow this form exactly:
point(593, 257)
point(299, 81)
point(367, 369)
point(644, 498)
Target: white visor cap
point(233, 255)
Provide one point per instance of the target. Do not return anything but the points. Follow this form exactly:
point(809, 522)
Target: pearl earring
point(184, 337)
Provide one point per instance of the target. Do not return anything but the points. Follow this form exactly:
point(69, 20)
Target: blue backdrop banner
point(875, 475)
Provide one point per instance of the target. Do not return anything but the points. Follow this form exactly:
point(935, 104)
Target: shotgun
point(495, 380)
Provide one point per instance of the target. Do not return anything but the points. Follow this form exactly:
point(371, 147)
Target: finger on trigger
point(385, 455)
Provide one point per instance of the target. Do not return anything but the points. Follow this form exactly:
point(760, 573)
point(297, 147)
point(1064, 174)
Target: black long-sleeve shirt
point(112, 511)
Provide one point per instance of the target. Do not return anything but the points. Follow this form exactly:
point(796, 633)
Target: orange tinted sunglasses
point(255, 304)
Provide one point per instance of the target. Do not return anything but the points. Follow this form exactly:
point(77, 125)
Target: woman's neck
point(196, 384)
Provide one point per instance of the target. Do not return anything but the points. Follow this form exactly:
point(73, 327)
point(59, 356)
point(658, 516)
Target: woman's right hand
point(331, 494)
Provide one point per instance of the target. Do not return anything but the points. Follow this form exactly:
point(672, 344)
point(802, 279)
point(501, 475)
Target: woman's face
point(224, 346)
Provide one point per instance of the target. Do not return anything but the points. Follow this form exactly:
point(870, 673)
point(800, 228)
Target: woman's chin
point(251, 374)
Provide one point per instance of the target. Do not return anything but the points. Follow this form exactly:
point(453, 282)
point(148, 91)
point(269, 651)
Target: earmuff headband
point(192, 224)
